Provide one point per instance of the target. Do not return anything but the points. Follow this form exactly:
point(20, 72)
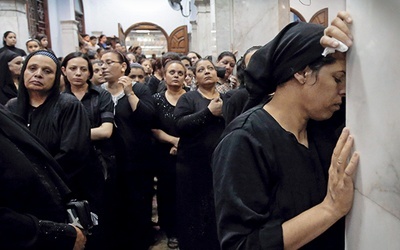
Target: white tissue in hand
point(341, 48)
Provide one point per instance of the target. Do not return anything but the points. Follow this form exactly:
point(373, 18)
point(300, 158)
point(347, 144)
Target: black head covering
point(295, 47)
point(7, 87)
point(23, 95)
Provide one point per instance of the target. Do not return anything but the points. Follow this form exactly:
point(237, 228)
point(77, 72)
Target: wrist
point(129, 94)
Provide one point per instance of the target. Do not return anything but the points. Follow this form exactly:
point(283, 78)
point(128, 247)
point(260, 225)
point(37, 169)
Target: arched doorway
point(153, 39)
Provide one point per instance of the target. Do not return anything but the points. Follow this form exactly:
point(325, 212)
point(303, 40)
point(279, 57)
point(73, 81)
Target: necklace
point(215, 94)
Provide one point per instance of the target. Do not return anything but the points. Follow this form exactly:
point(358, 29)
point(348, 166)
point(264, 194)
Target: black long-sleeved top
point(132, 134)
point(32, 192)
point(199, 131)
point(64, 128)
point(14, 49)
point(264, 177)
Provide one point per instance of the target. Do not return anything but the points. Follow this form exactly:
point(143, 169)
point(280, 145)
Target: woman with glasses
point(133, 112)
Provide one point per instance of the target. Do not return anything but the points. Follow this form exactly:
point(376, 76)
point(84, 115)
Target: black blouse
point(264, 177)
point(32, 192)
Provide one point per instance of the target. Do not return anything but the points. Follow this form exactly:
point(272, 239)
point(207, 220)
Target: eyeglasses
point(107, 63)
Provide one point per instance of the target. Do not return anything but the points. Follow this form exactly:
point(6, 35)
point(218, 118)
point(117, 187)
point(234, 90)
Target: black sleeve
point(73, 123)
point(146, 109)
point(21, 231)
point(106, 107)
point(188, 120)
point(243, 195)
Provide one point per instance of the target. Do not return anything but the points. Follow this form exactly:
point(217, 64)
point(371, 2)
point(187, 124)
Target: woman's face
point(193, 58)
point(15, 66)
point(229, 63)
point(324, 92)
point(40, 74)
point(32, 46)
point(186, 63)
point(137, 75)
point(97, 78)
point(112, 67)
point(175, 75)
point(206, 73)
point(131, 57)
point(76, 71)
point(189, 77)
point(11, 39)
point(148, 68)
point(44, 42)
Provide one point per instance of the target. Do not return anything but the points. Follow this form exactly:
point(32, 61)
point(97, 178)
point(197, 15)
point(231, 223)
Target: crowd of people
point(247, 153)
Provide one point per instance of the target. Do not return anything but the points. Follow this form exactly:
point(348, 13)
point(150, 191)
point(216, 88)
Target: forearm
point(133, 100)
point(308, 225)
point(164, 137)
point(104, 131)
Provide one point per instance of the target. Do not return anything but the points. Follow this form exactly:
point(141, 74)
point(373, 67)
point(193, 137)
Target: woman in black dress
point(77, 70)
point(59, 120)
point(199, 124)
point(33, 193)
point(270, 170)
point(133, 114)
point(167, 146)
point(10, 70)
point(9, 42)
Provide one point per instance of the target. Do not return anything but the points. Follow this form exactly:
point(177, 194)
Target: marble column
point(202, 41)
point(69, 36)
point(373, 93)
point(13, 17)
point(241, 24)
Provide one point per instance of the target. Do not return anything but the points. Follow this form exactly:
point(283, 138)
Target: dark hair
point(122, 59)
point(137, 66)
point(319, 63)
point(23, 104)
point(240, 65)
point(171, 62)
point(169, 56)
point(187, 59)
point(194, 52)
point(157, 64)
point(73, 55)
point(40, 36)
point(92, 37)
point(200, 60)
point(135, 48)
point(33, 40)
point(226, 53)
point(5, 35)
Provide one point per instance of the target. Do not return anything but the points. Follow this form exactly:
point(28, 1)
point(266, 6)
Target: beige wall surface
point(373, 101)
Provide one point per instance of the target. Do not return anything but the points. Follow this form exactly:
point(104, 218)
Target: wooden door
point(321, 17)
point(178, 40)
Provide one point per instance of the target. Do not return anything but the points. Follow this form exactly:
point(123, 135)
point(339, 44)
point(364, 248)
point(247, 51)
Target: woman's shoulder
point(253, 120)
point(66, 100)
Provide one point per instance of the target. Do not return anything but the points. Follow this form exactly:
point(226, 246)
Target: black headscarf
point(23, 105)
point(295, 47)
point(7, 87)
